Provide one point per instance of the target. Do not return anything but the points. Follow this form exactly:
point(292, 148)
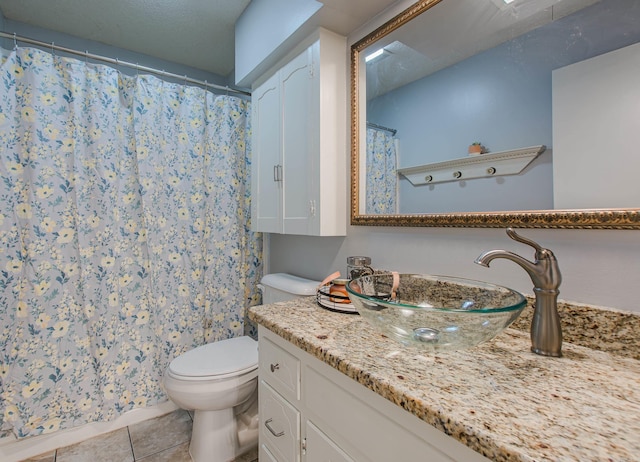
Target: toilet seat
point(217, 361)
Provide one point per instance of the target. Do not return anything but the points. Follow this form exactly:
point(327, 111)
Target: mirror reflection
point(547, 90)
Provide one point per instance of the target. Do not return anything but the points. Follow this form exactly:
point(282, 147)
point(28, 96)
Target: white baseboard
point(14, 450)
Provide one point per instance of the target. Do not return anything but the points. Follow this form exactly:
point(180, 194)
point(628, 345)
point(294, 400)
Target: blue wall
point(453, 250)
point(263, 28)
point(3, 42)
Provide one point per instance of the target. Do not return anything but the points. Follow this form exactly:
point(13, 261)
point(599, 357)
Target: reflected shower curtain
point(382, 177)
point(124, 214)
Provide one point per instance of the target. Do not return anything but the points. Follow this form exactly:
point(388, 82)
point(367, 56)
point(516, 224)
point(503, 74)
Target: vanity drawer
point(280, 369)
point(265, 455)
point(279, 425)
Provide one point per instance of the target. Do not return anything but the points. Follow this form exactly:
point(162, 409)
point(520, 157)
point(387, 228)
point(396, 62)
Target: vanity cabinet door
point(319, 448)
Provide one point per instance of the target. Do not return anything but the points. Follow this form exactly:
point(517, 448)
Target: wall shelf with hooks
point(484, 165)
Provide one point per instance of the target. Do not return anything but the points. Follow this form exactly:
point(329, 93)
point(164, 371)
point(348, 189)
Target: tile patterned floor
point(163, 439)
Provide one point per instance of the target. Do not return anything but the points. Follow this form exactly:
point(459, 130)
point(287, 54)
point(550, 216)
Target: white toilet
point(219, 382)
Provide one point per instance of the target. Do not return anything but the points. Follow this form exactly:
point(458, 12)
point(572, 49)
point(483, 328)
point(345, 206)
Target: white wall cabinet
point(299, 149)
point(310, 412)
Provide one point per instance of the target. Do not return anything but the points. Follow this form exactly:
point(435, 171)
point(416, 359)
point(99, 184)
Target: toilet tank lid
point(289, 283)
point(218, 358)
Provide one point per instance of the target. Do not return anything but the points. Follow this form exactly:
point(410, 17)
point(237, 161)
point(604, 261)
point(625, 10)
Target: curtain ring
point(185, 79)
point(15, 42)
point(137, 70)
point(53, 49)
point(86, 56)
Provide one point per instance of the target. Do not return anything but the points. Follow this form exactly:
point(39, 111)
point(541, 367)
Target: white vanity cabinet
point(310, 412)
point(299, 147)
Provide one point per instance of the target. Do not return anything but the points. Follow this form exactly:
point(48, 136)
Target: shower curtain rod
point(393, 131)
point(117, 62)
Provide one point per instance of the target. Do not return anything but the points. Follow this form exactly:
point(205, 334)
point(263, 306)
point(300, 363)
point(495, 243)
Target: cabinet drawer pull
point(273, 432)
point(274, 367)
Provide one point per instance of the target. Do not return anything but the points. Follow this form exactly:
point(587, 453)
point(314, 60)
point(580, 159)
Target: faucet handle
point(516, 237)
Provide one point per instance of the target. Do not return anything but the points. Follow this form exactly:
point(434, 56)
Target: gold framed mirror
point(623, 216)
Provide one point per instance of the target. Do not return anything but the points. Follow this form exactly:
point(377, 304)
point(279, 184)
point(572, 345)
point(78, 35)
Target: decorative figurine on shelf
point(476, 149)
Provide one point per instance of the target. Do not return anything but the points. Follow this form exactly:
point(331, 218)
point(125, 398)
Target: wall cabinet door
point(299, 149)
point(266, 190)
point(299, 120)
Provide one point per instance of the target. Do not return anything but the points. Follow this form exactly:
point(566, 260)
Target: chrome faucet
point(546, 332)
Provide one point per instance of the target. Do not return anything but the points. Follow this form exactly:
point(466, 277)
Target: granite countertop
point(498, 398)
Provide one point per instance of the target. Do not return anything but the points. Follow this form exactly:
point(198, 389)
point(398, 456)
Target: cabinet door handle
point(274, 367)
point(277, 172)
point(273, 432)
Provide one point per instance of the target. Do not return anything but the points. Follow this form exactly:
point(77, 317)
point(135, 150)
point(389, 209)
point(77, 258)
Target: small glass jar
point(339, 291)
point(358, 266)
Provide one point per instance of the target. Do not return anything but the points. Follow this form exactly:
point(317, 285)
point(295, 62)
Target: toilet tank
point(281, 287)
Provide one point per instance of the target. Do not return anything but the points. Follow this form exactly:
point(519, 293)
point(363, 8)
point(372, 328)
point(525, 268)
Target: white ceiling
point(196, 33)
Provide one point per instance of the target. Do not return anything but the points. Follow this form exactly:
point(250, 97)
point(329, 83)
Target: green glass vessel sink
point(435, 312)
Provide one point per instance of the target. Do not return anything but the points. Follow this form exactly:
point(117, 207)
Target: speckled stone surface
point(599, 328)
point(497, 398)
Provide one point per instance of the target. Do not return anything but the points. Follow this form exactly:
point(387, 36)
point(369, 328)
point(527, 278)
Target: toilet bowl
point(219, 382)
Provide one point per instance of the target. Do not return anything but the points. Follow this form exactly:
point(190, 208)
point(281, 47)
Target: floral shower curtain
point(382, 177)
point(124, 214)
